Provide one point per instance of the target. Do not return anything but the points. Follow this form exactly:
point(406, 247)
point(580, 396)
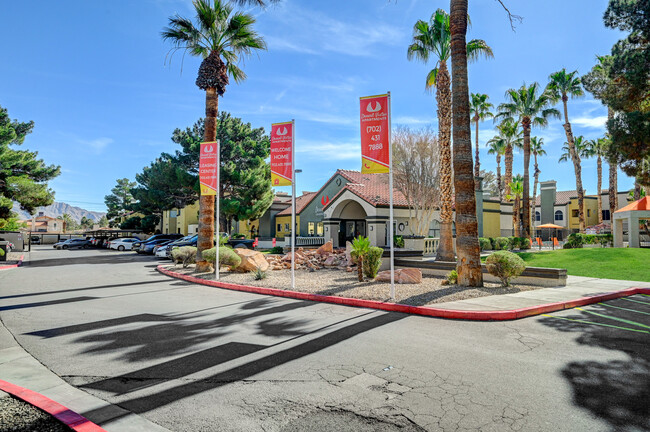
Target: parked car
point(122, 244)
point(139, 247)
point(76, 243)
point(35, 240)
point(147, 248)
point(154, 237)
point(191, 241)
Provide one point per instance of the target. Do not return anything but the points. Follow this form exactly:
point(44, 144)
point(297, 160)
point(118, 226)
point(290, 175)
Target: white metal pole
point(390, 188)
point(216, 250)
point(293, 205)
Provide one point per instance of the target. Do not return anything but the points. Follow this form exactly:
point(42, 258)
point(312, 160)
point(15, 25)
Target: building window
point(286, 227)
point(310, 228)
point(575, 213)
point(538, 216)
point(606, 215)
point(559, 215)
point(588, 212)
point(279, 228)
point(319, 229)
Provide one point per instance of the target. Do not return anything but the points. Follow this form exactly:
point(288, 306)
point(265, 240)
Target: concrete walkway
point(18, 367)
point(576, 287)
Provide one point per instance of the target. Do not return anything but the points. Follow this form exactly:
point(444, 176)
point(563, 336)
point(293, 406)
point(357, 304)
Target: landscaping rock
point(402, 276)
point(331, 261)
point(327, 248)
point(251, 260)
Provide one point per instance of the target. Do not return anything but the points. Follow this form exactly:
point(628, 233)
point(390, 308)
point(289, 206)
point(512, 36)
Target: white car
point(122, 244)
point(162, 252)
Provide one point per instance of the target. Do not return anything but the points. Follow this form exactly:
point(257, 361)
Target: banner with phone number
point(375, 133)
point(281, 154)
point(208, 166)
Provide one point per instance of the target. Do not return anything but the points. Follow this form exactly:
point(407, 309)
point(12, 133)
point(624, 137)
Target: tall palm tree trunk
point(499, 185)
point(445, 250)
point(508, 179)
point(577, 168)
point(477, 165)
point(613, 180)
point(599, 165)
point(206, 202)
point(515, 217)
point(467, 246)
point(526, 198)
point(533, 203)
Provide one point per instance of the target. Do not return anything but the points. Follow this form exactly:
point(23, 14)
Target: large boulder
point(402, 276)
point(251, 260)
point(327, 248)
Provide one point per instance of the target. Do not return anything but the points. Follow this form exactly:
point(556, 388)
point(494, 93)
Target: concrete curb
point(20, 263)
point(500, 315)
point(65, 415)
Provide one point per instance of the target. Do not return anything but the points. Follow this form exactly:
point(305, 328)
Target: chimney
point(547, 198)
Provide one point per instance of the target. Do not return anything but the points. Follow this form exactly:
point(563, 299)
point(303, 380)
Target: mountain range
point(58, 209)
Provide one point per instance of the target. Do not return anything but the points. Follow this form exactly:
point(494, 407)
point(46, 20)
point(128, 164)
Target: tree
point(432, 40)
point(597, 148)
point(415, 168)
point(120, 199)
point(497, 146)
point(245, 176)
point(530, 108)
point(479, 108)
point(86, 223)
point(220, 37)
point(510, 136)
point(516, 194)
point(468, 251)
point(103, 222)
point(23, 177)
point(490, 182)
point(536, 148)
point(561, 86)
point(70, 223)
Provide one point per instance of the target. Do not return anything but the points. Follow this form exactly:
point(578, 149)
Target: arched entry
point(352, 218)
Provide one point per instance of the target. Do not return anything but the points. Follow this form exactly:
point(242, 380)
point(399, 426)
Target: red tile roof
point(372, 188)
point(301, 203)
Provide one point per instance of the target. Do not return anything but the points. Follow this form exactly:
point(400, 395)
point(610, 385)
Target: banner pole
point(390, 187)
point(216, 250)
point(293, 205)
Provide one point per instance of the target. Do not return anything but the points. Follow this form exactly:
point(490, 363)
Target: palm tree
point(497, 146)
point(561, 86)
point(536, 149)
point(516, 193)
point(530, 108)
point(468, 265)
point(512, 137)
point(479, 107)
point(596, 148)
point(432, 40)
point(220, 37)
point(360, 247)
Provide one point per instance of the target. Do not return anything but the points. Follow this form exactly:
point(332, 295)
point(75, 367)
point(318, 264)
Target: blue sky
point(92, 75)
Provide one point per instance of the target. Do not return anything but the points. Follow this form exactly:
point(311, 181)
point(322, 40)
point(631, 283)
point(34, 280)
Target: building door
point(350, 229)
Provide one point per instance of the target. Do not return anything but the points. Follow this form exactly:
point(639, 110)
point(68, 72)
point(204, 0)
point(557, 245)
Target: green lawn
point(610, 263)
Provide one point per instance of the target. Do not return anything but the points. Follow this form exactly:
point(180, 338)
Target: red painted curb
point(501, 315)
point(65, 415)
point(20, 263)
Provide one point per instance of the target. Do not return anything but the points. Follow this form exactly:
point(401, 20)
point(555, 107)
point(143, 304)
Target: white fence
point(431, 246)
point(305, 241)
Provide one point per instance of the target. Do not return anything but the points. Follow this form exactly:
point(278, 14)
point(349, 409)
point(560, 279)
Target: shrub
point(360, 246)
point(227, 257)
point(185, 255)
point(372, 262)
point(605, 239)
point(493, 243)
point(277, 250)
point(505, 265)
point(484, 243)
point(502, 243)
point(524, 243)
point(258, 274)
point(398, 241)
point(452, 277)
point(574, 241)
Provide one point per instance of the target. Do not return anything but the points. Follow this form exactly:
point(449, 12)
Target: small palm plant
point(360, 247)
point(516, 194)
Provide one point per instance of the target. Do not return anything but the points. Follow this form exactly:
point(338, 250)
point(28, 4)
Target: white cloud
point(97, 144)
point(322, 150)
point(591, 122)
point(408, 120)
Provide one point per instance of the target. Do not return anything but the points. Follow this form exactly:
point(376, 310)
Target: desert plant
point(452, 277)
point(372, 262)
point(484, 243)
point(501, 243)
point(227, 257)
point(2, 252)
point(505, 265)
point(277, 250)
point(360, 247)
point(524, 243)
point(185, 255)
point(398, 241)
point(258, 274)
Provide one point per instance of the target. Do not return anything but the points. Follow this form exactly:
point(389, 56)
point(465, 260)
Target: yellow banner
point(371, 167)
point(206, 190)
point(276, 180)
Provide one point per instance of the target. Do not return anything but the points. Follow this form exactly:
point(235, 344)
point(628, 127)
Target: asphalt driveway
point(195, 358)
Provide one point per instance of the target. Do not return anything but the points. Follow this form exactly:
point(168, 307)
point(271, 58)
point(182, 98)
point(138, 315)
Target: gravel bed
point(12, 258)
point(19, 416)
point(340, 283)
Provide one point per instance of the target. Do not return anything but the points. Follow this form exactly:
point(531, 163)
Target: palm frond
point(477, 48)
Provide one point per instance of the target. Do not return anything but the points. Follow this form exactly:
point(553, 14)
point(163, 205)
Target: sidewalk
point(577, 287)
point(18, 367)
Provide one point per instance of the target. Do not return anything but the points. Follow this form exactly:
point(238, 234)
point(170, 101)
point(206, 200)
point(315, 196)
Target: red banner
point(208, 167)
point(281, 154)
point(375, 133)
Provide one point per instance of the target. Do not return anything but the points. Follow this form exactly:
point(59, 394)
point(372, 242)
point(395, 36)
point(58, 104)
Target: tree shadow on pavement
point(616, 391)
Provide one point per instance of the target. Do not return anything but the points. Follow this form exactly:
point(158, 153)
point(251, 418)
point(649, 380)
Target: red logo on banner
point(375, 125)
point(208, 167)
point(281, 154)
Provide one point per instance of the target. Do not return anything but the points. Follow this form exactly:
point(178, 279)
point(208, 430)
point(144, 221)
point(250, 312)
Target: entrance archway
point(352, 218)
